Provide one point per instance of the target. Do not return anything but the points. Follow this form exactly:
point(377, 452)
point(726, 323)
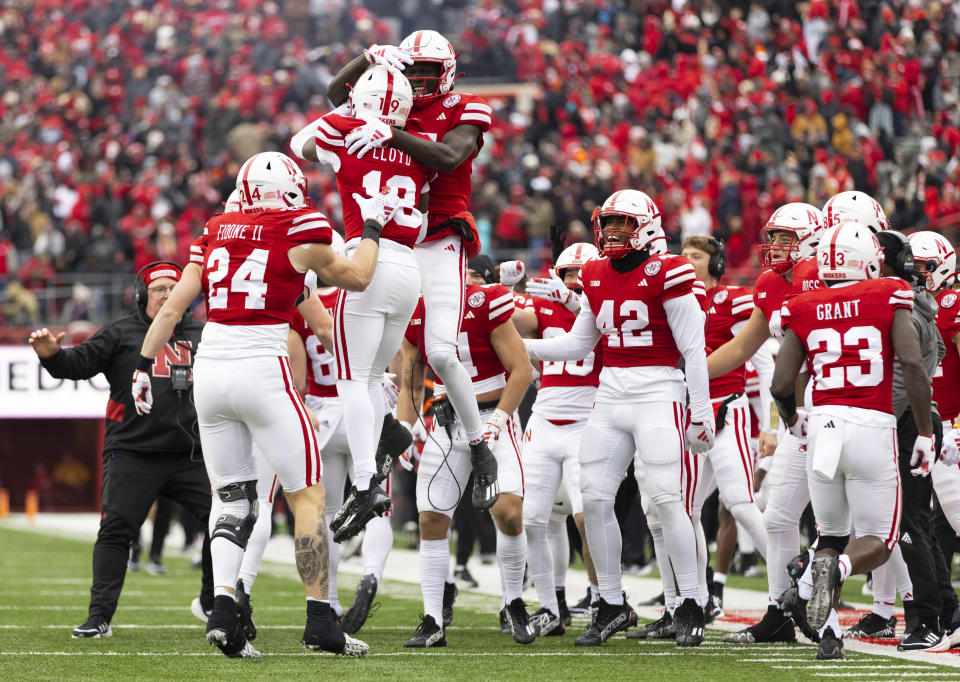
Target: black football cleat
point(394, 441)
point(224, 631)
point(359, 610)
point(688, 619)
point(662, 628)
point(245, 612)
point(428, 635)
point(608, 620)
point(798, 566)
point(547, 624)
point(519, 621)
point(924, 638)
point(775, 626)
point(713, 609)
point(872, 626)
point(825, 571)
point(94, 627)
point(830, 647)
point(584, 605)
point(365, 504)
point(486, 489)
point(450, 592)
point(321, 633)
point(795, 607)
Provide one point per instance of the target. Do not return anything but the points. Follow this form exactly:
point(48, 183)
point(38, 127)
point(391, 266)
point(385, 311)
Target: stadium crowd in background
point(121, 134)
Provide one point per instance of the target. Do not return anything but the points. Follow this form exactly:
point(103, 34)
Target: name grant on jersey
point(839, 310)
point(239, 232)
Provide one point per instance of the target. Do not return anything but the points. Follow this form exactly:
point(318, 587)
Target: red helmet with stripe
point(384, 94)
point(430, 46)
point(847, 252)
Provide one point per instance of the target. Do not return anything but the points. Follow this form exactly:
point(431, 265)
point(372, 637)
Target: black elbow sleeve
point(786, 406)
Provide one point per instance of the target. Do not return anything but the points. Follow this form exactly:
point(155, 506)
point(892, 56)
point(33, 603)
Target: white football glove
point(370, 135)
point(700, 437)
point(552, 288)
point(419, 433)
point(388, 55)
point(799, 428)
point(380, 207)
point(923, 455)
point(951, 448)
point(142, 392)
point(390, 390)
point(511, 272)
point(493, 427)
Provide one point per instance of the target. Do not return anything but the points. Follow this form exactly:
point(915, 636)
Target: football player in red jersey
point(493, 354)
point(641, 304)
point(728, 465)
point(939, 258)
point(369, 325)
point(253, 273)
point(445, 132)
point(551, 451)
point(790, 237)
point(849, 332)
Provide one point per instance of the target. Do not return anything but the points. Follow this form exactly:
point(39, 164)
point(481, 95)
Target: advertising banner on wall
point(27, 391)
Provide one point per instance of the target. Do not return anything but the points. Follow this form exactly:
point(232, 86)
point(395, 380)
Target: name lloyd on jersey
point(390, 155)
point(838, 311)
point(239, 232)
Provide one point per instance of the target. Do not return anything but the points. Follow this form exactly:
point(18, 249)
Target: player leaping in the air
point(445, 132)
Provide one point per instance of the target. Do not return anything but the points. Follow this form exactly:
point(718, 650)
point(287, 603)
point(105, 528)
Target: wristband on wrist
point(143, 364)
point(498, 418)
point(372, 230)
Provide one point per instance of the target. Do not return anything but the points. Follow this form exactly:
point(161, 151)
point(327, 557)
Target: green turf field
point(44, 583)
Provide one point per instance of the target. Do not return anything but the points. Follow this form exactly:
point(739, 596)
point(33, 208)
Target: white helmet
point(642, 226)
point(935, 253)
point(232, 204)
point(430, 46)
point(382, 93)
point(855, 206)
point(804, 222)
point(271, 180)
point(574, 256)
point(849, 251)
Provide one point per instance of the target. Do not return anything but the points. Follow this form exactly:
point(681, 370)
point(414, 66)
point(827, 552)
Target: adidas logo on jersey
point(442, 117)
point(469, 315)
point(643, 283)
point(450, 247)
point(906, 539)
point(830, 425)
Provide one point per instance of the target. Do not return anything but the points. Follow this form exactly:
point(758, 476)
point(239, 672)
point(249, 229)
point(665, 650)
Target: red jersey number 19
point(248, 279)
point(633, 317)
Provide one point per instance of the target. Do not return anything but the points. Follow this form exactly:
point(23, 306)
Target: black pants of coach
point(916, 533)
point(130, 486)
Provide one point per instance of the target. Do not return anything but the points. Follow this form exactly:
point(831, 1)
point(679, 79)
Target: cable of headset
point(446, 455)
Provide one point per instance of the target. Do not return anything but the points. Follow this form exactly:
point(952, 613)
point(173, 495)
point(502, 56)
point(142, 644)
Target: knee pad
point(834, 542)
point(233, 527)
point(662, 498)
point(443, 357)
point(775, 520)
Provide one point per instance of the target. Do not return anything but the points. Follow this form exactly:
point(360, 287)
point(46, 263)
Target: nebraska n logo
point(177, 354)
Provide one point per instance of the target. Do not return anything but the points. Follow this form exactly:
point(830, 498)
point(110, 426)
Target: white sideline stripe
point(886, 675)
point(452, 654)
point(842, 665)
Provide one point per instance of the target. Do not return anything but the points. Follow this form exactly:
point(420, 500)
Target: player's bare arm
point(525, 321)
point(353, 274)
point(298, 361)
point(161, 329)
point(339, 89)
point(412, 373)
point(575, 344)
point(316, 315)
point(457, 146)
point(740, 348)
point(790, 359)
point(906, 345)
point(513, 356)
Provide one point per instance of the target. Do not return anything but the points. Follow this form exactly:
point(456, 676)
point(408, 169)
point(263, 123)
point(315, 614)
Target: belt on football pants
point(488, 405)
point(722, 410)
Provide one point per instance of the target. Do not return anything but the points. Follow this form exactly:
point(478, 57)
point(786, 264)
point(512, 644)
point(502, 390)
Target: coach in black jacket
point(142, 458)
